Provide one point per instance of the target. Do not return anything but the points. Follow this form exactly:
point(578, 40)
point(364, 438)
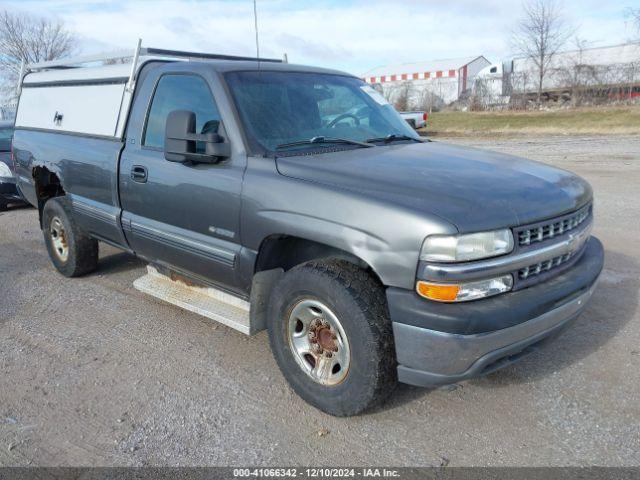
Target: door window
point(180, 92)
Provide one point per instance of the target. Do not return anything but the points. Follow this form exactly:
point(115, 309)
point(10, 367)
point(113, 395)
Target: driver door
point(181, 215)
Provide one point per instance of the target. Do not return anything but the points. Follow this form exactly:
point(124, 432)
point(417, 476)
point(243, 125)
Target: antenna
point(255, 21)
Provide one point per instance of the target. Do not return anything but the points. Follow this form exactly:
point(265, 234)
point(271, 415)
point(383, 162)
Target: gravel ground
point(95, 373)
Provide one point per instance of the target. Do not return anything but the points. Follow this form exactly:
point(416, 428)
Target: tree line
point(540, 36)
point(32, 39)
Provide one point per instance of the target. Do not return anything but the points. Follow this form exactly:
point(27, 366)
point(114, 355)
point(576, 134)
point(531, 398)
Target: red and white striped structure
point(445, 79)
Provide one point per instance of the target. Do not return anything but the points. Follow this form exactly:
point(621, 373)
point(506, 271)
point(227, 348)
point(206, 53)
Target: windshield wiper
point(323, 140)
point(394, 137)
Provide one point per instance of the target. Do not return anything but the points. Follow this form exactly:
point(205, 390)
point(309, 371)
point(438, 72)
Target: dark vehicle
point(8, 190)
point(296, 199)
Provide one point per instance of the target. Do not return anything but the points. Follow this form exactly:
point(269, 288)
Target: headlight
point(5, 171)
point(463, 292)
point(462, 248)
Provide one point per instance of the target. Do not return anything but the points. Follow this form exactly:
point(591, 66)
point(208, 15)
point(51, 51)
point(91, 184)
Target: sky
point(350, 35)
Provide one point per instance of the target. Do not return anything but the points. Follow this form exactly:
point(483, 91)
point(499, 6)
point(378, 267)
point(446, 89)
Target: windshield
point(282, 108)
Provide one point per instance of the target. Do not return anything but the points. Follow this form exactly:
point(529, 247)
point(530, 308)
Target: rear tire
point(333, 313)
point(3, 205)
point(72, 251)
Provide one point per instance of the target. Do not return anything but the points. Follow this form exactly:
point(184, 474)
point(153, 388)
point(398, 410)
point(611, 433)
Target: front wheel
point(331, 336)
point(71, 250)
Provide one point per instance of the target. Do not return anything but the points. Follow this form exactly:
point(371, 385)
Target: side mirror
point(181, 140)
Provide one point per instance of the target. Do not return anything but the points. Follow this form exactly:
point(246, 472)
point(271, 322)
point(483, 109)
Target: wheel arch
point(278, 253)
point(286, 251)
point(47, 184)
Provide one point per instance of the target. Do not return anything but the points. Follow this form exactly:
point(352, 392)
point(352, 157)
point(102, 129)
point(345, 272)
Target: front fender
point(373, 250)
point(385, 236)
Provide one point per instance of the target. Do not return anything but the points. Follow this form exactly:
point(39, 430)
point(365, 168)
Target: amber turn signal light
point(438, 291)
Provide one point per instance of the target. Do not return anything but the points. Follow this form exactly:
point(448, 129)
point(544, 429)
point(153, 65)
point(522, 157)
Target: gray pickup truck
point(299, 198)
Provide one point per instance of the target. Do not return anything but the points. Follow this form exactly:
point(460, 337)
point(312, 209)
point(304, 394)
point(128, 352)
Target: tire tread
point(83, 249)
point(369, 296)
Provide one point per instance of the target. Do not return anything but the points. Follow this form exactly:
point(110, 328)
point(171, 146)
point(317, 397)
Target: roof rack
point(134, 55)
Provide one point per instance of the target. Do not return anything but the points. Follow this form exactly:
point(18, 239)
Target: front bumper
point(438, 344)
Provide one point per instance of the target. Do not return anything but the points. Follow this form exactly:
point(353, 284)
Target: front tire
point(72, 251)
point(331, 336)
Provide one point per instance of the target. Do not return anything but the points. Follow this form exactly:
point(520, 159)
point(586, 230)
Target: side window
point(180, 92)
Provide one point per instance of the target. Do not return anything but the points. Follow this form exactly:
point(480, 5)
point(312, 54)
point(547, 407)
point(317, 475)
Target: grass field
point(590, 121)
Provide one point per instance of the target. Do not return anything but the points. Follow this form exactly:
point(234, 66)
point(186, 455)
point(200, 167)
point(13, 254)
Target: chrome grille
point(552, 228)
point(541, 267)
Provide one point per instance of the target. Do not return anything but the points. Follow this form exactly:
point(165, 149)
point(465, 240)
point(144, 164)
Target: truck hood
point(473, 189)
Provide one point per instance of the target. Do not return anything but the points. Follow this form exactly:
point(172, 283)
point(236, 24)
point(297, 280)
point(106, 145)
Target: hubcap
point(318, 342)
point(59, 239)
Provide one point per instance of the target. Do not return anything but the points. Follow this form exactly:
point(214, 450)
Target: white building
point(432, 82)
point(604, 68)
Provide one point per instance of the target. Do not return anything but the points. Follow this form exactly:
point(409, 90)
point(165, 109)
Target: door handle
point(139, 174)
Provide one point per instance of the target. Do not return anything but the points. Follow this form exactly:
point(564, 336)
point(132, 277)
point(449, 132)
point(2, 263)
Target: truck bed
point(91, 180)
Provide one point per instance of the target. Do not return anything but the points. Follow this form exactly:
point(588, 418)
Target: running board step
point(208, 302)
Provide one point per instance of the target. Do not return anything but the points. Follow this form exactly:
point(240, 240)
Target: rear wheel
point(331, 336)
point(3, 205)
point(71, 250)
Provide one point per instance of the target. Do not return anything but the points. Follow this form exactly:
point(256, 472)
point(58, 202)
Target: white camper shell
point(90, 95)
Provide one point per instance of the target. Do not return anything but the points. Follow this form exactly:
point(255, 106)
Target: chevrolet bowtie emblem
point(576, 240)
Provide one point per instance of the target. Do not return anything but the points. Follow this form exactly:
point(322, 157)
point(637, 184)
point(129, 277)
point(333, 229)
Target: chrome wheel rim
point(318, 342)
point(58, 238)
